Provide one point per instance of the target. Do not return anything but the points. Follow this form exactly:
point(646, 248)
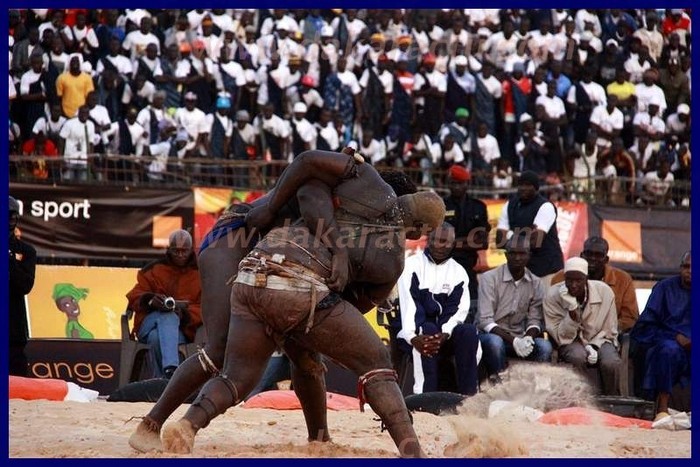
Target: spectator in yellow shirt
point(73, 86)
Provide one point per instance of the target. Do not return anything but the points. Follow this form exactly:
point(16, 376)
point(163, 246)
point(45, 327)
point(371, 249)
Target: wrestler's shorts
point(283, 303)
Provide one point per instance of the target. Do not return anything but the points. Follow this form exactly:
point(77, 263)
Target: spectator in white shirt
point(77, 135)
point(657, 186)
point(115, 60)
point(607, 121)
point(51, 124)
point(372, 149)
point(167, 154)
point(487, 145)
point(303, 132)
point(136, 41)
point(651, 123)
point(194, 122)
point(353, 24)
point(678, 123)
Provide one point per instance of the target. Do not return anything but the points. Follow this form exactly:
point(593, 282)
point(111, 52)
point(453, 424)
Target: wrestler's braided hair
point(398, 180)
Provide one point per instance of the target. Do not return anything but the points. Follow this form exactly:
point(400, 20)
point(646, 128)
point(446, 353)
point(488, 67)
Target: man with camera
point(166, 302)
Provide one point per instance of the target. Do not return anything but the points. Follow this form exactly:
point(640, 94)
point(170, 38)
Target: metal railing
point(262, 175)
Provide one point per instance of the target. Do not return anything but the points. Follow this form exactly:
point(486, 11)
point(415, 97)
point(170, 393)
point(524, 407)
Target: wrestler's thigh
point(342, 333)
point(217, 264)
point(248, 349)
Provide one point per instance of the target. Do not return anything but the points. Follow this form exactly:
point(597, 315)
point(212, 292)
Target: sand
point(100, 429)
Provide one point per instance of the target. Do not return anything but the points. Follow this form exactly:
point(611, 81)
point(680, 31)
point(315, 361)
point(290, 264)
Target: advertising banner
point(99, 296)
point(101, 221)
point(89, 364)
point(643, 241)
point(209, 203)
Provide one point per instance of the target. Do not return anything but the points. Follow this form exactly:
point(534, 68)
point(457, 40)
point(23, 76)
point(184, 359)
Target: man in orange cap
point(471, 222)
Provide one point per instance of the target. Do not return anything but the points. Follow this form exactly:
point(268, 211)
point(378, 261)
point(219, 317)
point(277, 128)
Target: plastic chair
point(133, 353)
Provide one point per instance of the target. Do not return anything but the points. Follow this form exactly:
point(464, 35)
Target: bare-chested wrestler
point(220, 253)
point(280, 298)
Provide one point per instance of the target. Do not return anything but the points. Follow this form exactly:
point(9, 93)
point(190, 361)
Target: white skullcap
point(460, 60)
point(525, 117)
point(683, 109)
point(576, 264)
point(299, 107)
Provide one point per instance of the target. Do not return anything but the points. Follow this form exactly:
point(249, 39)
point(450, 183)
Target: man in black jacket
point(22, 268)
point(531, 213)
point(471, 222)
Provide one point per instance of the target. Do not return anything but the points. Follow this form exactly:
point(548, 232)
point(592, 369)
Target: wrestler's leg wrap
point(215, 398)
point(310, 387)
point(382, 392)
point(188, 377)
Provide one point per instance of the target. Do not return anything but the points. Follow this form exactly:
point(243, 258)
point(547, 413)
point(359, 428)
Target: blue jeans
point(161, 330)
point(496, 350)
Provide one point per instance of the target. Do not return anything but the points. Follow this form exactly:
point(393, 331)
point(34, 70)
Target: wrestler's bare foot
point(178, 437)
point(145, 438)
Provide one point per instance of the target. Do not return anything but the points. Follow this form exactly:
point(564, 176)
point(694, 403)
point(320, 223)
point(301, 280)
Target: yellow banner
point(98, 295)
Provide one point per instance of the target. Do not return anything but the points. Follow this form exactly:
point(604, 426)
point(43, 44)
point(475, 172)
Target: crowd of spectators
point(587, 98)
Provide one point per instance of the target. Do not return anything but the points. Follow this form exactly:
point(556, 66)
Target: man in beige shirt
point(581, 318)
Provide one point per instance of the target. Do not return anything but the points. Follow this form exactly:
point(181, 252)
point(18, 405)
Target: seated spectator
point(595, 251)
point(371, 148)
point(166, 302)
point(434, 302)
point(502, 177)
point(624, 174)
point(40, 145)
point(656, 186)
point(510, 318)
point(675, 83)
point(662, 334)
point(678, 123)
point(581, 319)
point(51, 124)
point(167, 153)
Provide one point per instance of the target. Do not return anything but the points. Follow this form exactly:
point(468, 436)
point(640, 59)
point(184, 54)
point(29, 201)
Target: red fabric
point(35, 388)
point(584, 416)
point(459, 173)
point(287, 400)
point(49, 148)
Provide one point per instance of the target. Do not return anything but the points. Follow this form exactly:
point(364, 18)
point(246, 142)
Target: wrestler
point(280, 298)
point(220, 253)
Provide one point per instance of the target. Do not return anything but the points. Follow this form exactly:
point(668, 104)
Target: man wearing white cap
point(650, 123)
point(461, 86)
point(193, 120)
point(303, 132)
point(678, 123)
point(581, 318)
point(173, 148)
